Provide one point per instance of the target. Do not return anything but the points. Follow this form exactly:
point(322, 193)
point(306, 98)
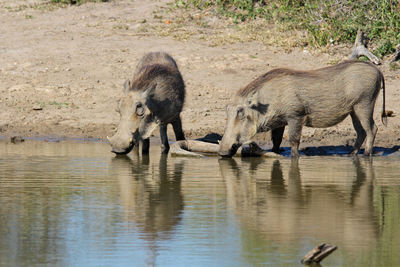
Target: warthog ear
point(252, 101)
point(148, 93)
point(252, 98)
point(127, 85)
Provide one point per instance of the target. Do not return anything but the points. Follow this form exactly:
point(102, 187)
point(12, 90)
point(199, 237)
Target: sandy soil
point(62, 68)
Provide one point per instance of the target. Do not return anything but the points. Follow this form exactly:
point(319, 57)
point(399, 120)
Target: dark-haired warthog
point(154, 98)
point(318, 98)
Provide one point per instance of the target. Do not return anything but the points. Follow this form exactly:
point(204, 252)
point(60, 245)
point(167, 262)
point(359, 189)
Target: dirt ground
point(62, 69)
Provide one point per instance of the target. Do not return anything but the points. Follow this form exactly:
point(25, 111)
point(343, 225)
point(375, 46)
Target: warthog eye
point(139, 109)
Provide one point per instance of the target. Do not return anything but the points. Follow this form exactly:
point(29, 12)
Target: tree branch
point(396, 54)
point(193, 148)
point(319, 253)
point(360, 49)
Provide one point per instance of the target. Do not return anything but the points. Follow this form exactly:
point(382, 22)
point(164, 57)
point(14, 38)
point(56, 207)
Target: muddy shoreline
point(307, 149)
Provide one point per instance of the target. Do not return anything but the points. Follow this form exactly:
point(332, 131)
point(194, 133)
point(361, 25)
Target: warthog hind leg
point(371, 133)
point(364, 114)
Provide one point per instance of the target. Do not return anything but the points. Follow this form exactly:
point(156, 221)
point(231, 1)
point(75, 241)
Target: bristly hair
point(258, 82)
point(148, 73)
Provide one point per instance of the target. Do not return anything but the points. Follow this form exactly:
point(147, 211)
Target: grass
point(394, 66)
point(325, 22)
point(57, 105)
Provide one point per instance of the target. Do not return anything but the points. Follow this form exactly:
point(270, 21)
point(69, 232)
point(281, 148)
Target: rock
point(37, 107)
point(17, 139)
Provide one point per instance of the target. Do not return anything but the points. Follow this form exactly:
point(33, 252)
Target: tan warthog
point(154, 98)
point(318, 98)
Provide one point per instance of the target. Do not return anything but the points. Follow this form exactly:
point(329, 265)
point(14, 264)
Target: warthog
point(154, 98)
point(317, 98)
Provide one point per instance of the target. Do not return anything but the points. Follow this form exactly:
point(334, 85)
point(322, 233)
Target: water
point(75, 204)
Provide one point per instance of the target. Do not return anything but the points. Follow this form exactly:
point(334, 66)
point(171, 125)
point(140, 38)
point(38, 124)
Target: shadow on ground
point(340, 151)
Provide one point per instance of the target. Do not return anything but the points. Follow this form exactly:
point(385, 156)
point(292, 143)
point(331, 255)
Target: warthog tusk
point(130, 140)
point(108, 138)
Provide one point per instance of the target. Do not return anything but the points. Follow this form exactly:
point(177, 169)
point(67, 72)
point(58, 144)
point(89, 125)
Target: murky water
point(75, 204)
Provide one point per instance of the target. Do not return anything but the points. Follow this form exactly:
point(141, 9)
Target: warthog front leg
point(276, 137)
point(177, 125)
point(145, 146)
point(295, 126)
point(164, 139)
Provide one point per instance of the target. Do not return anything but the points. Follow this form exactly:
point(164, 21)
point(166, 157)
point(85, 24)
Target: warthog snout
point(120, 145)
point(239, 129)
point(228, 151)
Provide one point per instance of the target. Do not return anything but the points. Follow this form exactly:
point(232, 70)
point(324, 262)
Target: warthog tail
point(383, 115)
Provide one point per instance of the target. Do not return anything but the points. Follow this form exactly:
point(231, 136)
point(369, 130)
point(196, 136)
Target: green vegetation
point(57, 105)
point(329, 21)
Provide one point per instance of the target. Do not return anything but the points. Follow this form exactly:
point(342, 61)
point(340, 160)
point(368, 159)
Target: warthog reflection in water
point(153, 202)
point(290, 204)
